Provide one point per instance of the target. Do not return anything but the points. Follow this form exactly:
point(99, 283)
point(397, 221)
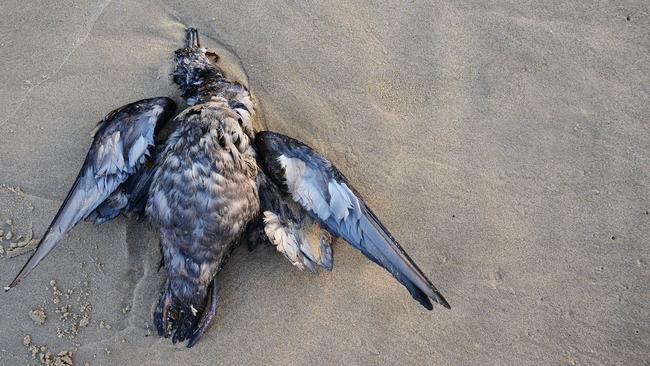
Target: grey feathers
point(204, 193)
point(314, 183)
point(120, 144)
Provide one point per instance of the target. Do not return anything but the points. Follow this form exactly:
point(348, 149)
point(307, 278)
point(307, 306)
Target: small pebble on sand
point(38, 316)
point(64, 358)
point(84, 321)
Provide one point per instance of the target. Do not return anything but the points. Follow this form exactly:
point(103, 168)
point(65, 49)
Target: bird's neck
point(215, 88)
point(205, 89)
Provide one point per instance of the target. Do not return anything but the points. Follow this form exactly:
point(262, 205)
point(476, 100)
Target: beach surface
point(506, 145)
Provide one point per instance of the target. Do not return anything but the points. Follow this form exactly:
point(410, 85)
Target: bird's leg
point(160, 264)
point(161, 314)
point(206, 317)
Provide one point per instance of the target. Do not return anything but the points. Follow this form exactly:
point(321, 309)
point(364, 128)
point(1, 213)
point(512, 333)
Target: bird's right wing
point(121, 143)
point(321, 189)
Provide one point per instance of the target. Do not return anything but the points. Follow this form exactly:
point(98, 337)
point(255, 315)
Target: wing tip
point(437, 297)
point(441, 300)
point(17, 279)
point(14, 282)
point(426, 296)
point(29, 266)
point(425, 301)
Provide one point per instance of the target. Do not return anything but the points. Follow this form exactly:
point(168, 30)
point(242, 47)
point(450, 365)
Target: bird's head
point(194, 64)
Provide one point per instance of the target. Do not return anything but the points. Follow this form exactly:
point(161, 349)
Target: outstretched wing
point(314, 183)
point(120, 146)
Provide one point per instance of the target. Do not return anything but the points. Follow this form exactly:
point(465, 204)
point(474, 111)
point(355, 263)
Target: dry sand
point(505, 144)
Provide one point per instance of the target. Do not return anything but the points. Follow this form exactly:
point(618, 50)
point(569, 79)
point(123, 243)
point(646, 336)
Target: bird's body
point(202, 197)
point(204, 193)
point(211, 182)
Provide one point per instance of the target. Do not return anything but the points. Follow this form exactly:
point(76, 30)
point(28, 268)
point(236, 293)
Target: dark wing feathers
point(131, 196)
point(121, 143)
point(320, 188)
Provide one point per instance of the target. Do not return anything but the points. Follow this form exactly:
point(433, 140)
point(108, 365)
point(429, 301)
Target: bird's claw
point(181, 322)
point(161, 315)
point(206, 317)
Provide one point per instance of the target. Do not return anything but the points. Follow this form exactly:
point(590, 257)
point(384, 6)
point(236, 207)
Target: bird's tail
point(184, 318)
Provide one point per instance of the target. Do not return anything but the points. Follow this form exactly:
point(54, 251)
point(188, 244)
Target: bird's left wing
point(121, 143)
point(322, 190)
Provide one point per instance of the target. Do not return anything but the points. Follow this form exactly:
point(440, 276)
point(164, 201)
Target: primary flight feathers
point(312, 181)
point(121, 144)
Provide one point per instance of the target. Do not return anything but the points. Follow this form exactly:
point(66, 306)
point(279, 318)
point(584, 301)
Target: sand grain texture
point(506, 145)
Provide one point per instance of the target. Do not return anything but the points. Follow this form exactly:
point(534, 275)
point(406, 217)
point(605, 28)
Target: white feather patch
point(138, 149)
point(156, 110)
point(302, 182)
point(109, 156)
point(284, 241)
point(340, 203)
point(294, 169)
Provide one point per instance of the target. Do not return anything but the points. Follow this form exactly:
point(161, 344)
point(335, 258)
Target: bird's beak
point(192, 38)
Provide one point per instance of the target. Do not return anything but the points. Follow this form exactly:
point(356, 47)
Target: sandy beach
point(506, 145)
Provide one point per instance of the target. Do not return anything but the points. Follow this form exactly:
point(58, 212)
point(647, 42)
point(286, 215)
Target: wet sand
point(506, 146)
